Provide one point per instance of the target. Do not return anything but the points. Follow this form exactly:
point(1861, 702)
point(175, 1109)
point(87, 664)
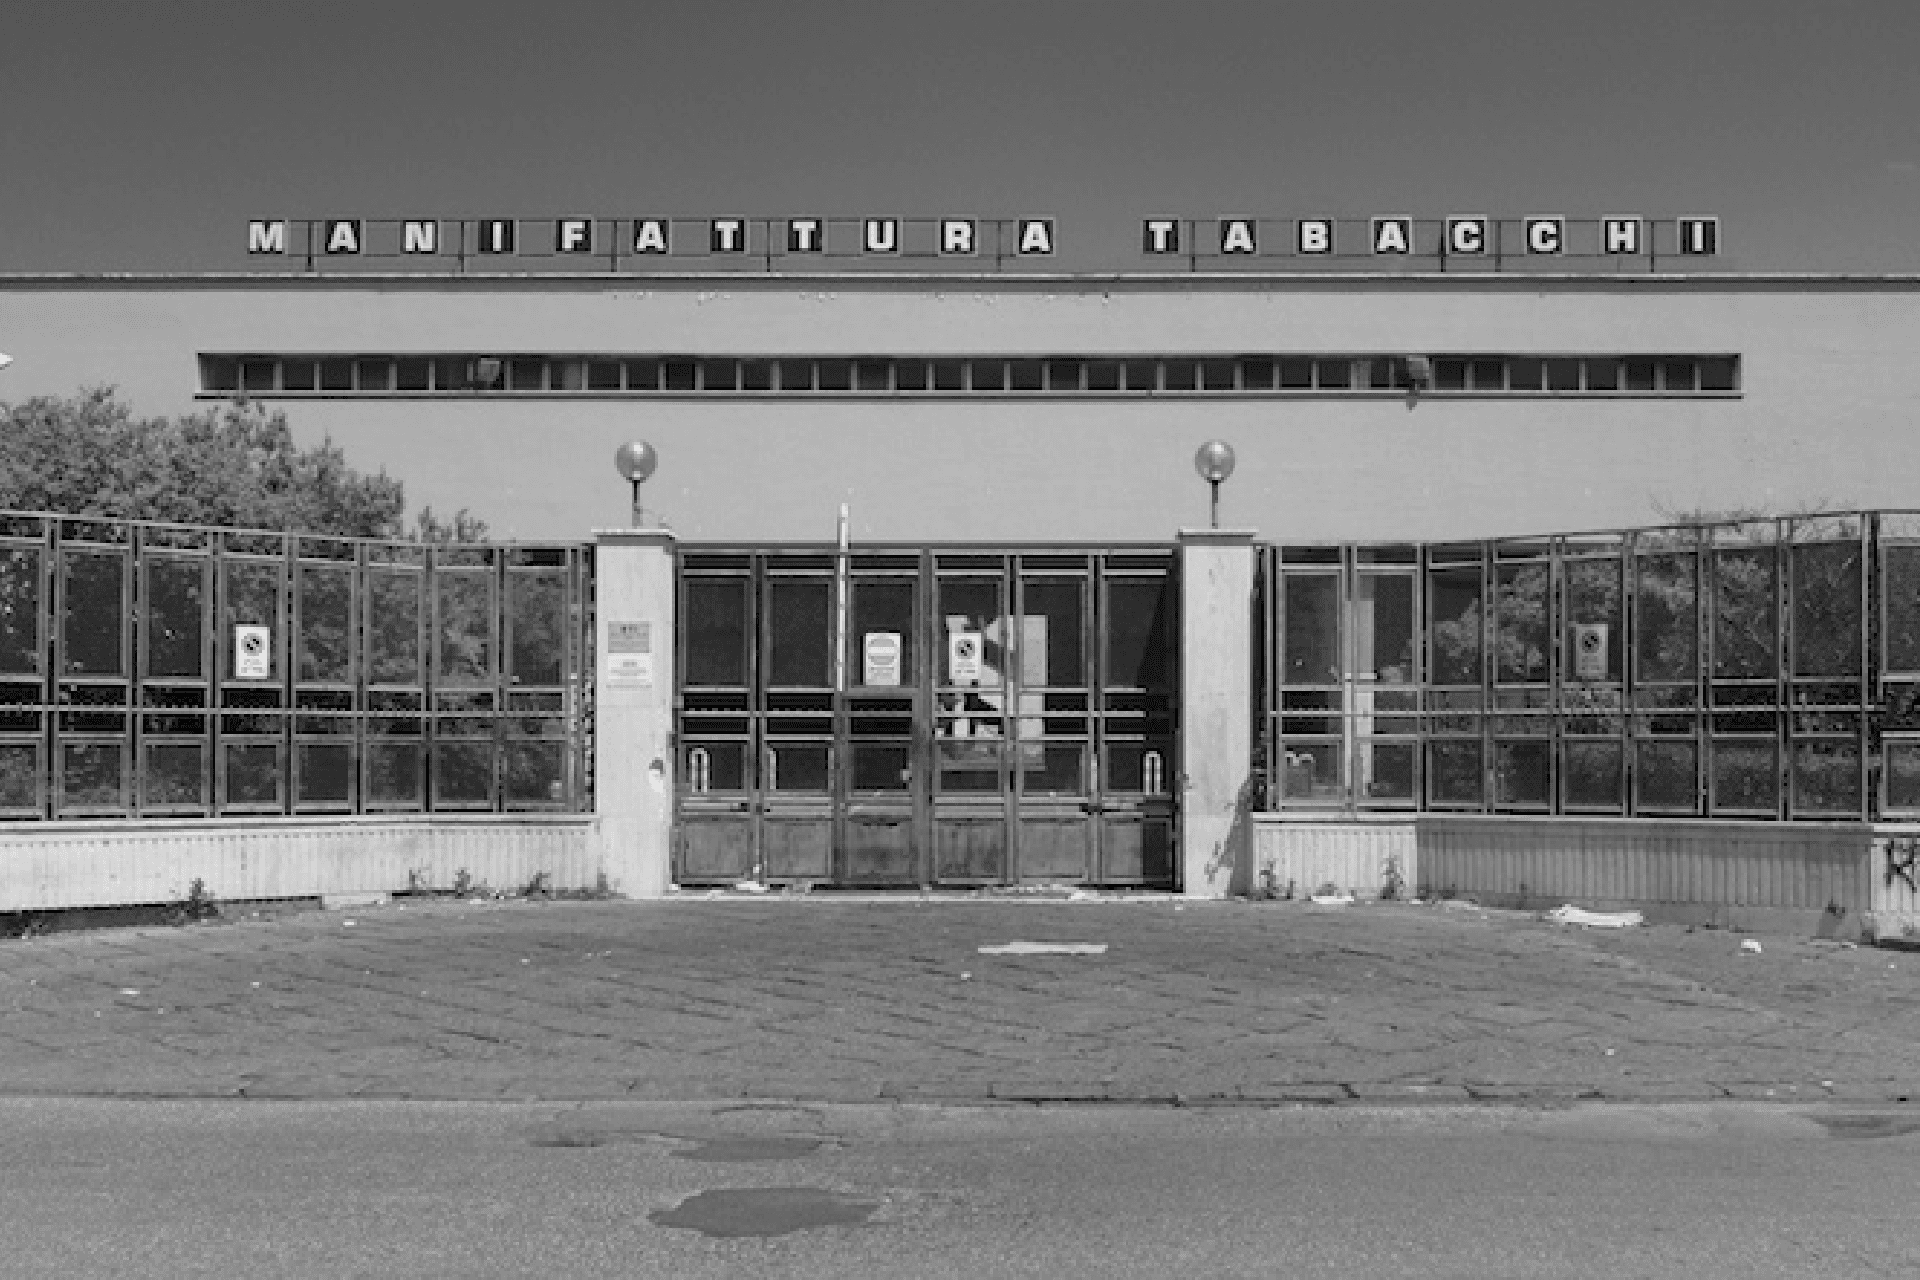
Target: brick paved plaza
point(849, 1000)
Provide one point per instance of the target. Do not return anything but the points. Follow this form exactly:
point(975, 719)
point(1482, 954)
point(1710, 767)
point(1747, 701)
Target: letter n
point(420, 237)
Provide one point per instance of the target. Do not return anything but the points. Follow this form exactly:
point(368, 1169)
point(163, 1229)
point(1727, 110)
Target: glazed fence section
point(1764, 669)
point(161, 670)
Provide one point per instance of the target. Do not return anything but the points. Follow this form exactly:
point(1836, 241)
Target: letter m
point(267, 237)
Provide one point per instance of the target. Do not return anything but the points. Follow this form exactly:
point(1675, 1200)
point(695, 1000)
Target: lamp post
point(636, 460)
point(1214, 462)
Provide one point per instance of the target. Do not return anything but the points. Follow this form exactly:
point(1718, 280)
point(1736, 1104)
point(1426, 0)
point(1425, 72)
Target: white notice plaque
point(630, 654)
point(880, 660)
point(964, 657)
point(1590, 650)
point(252, 653)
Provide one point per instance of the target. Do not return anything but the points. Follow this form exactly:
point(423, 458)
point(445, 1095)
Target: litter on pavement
point(1332, 899)
point(1570, 914)
point(1748, 944)
point(1044, 949)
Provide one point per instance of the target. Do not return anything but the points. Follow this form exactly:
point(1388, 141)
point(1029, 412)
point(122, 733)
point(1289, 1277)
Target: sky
point(142, 135)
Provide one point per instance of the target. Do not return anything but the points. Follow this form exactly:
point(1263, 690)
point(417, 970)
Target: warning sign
point(252, 653)
point(964, 661)
point(1590, 651)
point(880, 660)
point(630, 654)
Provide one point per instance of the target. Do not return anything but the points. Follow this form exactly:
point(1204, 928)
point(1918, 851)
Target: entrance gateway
point(918, 716)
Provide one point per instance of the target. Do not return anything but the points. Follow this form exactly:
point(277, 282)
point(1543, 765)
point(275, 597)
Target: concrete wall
point(1216, 711)
point(54, 866)
point(1823, 416)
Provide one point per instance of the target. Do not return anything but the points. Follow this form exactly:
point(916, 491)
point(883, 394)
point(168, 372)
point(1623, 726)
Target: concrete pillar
point(633, 766)
point(1216, 711)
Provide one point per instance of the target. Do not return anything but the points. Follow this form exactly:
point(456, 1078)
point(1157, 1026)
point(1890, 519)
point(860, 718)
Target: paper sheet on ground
point(1044, 949)
point(1571, 914)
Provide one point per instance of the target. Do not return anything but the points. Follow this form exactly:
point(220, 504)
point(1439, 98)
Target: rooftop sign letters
point(1477, 240)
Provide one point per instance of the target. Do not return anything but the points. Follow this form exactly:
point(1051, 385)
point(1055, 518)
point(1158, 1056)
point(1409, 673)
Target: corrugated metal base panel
point(1896, 881)
point(1769, 875)
point(1357, 857)
point(53, 867)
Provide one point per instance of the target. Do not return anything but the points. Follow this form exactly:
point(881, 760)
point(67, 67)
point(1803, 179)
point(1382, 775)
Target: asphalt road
point(102, 1188)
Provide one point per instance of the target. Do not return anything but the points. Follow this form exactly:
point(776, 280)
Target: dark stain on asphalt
point(1862, 1127)
point(764, 1211)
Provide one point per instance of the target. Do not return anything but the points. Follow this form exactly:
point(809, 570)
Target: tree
point(234, 466)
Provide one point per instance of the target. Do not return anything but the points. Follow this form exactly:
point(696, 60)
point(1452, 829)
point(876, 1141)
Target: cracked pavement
point(813, 998)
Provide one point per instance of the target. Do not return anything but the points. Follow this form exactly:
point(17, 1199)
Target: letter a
point(1036, 236)
point(1392, 235)
point(343, 235)
point(1236, 235)
point(649, 235)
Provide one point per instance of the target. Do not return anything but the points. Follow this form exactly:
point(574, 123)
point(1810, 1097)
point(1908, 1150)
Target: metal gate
point(926, 716)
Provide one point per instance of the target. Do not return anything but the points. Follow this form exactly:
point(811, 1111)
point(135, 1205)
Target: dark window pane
point(681, 375)
point(910, 375)
point(1826, 609)
point(1454, 607)
point(1826, 777)
point(1333, 373)
point(91, 775)
point(336, 375)
point(880, 766)
point(1746, 777)
point(1136, 631)
point(988, 375)
point(1526, 374)
point(885, 607)
point(326, 624)
point(1639, 374)
point(1717, 373)
point(1677, 374)
point(603, 375)
point(1449, 375)
point(1523, 774)
point(1180, 375)
point(537, 614)
point(1256, 373)
point(257, 375)
point(1310, 650)
point(1296, 373)
point(1901, 586)
point(796, 375)
point(1593, 773)
point(1563, 375)
point(1143, 375)
point(176, 608)
point(1216, 375)
point(297, 374)
point(719, 375)
point(527, 373)
point(1063, 375)
point(464, 624)
point(835, 375)
point(252, 774)
point(1024, 375)
point(393, 628)
point(95, 614)
point(948, 375)
point(373, 374)
point(1453, 773)
point(1593, 600)
point(1523, 639)
point(533, 775)
point(799, 633)
point(219, 373)
point(174, 776)
point(413, 373)
point(1489, 375)
point(323, 774)
point(716, 632)
point(20, 605)
point(1666, 618)
point(1745, 615)
point(1054, 615)
point(1603, 375)
point(1383, 615)
point(395, 775)
point(1903, 775)
point(643, 375)
point(463, 775)
point(1664, 777)
point(1103, 375)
